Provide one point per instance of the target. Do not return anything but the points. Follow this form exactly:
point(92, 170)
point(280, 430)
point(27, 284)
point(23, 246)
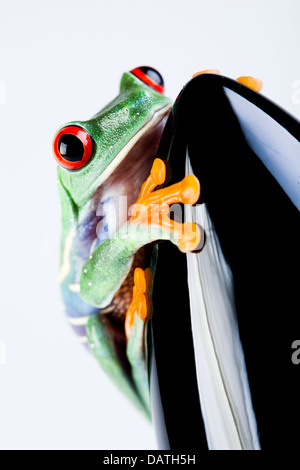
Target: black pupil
point(153, 74)
point(71, 148)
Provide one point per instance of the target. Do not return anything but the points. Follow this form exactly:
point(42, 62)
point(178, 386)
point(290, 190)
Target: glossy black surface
point(258, 228)
point(174, 353)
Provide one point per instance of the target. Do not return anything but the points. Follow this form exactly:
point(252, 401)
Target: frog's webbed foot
point(138, 313)
point(150, 212)
point(107, 268)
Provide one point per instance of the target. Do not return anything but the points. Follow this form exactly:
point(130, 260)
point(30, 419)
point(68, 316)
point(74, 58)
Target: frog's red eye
point(73, 147)
point(149, 76)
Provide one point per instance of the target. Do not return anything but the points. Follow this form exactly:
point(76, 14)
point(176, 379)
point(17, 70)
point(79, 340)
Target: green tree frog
point(114, 210)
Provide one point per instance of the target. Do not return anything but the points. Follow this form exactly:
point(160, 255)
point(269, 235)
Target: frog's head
point(89, 152)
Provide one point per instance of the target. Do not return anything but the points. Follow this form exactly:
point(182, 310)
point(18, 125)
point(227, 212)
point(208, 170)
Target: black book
point(227, 318)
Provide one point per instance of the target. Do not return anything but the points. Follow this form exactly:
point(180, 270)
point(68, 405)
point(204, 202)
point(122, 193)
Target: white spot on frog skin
point(137, 114)
point(74, 287)
point(108, 309)
point(85, 271)
point(66, 267)
point(91, 257)
point(78, 321)
point(90, 284)
point(93, 246)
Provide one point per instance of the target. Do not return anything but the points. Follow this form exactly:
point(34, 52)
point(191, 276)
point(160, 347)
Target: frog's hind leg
point(137, 316)
point(104, 347)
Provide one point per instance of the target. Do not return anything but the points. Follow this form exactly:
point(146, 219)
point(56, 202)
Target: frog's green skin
point(126, 135)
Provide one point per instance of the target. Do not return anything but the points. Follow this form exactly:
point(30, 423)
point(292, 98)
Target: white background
point(62, 60)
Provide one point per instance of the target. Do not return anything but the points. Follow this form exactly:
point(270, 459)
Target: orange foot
point(251, 82)
point(213, 71)
point(152, 207)
point(141, 304)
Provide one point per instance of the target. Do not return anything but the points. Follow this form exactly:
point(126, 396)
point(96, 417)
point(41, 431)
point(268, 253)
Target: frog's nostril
point(150, 77)
point(73, 147)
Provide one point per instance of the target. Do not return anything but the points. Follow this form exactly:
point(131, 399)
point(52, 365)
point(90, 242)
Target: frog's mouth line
point(155, 120)
point(130, 168)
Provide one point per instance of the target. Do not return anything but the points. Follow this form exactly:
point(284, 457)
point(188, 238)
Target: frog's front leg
point(108, 266)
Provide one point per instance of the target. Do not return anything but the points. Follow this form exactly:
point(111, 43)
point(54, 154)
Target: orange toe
point(156, 178)
point(152, 207)
point(141, 303)
point(251, 82)
point(214, 71)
